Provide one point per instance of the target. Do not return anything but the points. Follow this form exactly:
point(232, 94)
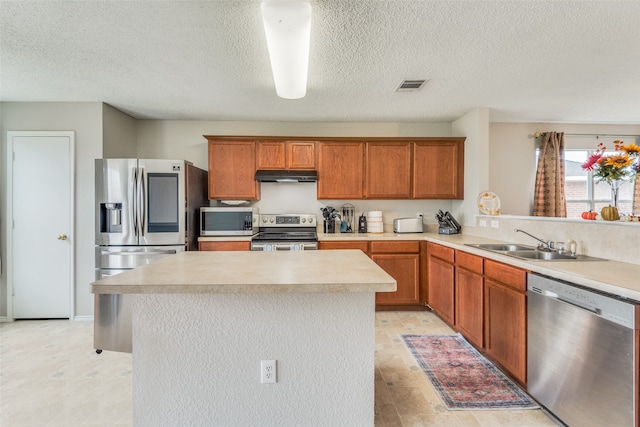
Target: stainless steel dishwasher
point(581, 353)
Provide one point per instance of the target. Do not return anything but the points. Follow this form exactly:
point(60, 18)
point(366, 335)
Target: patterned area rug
point(464, 378)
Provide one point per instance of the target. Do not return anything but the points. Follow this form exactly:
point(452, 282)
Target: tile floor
point(51, 376)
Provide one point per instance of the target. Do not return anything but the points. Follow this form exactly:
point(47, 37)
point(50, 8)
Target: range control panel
point(287, 220)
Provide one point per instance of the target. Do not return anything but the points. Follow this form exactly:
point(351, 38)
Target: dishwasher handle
point(566, 300)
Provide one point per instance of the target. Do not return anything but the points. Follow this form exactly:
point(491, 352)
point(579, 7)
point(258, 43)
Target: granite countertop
point(252, 272)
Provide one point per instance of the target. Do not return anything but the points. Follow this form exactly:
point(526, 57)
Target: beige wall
point(475, 127)
point(85, 119)
point(118, 134)
point(498, 157)
point(512, 164)
point(183, 139)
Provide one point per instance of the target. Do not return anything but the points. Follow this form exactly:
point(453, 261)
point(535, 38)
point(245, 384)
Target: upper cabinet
point(438, 169)
point(284, 155)
point(348, 168)
point(340, 170)
point(232, 170)
point(388, 170)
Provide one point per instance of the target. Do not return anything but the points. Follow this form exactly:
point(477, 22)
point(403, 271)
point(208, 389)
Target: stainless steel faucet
point(544, 245)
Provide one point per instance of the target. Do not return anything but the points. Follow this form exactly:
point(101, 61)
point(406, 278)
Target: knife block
point(447, 230)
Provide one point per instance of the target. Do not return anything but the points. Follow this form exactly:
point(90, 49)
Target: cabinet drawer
point(442, 252)
point(224, 246)
point(362, 245)
point(382, 247)
point(469, 261)
point(511, 276)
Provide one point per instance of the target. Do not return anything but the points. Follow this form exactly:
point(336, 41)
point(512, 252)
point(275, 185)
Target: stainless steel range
point(286, 232)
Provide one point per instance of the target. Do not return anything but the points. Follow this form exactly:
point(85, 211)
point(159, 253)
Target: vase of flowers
point(616, 168)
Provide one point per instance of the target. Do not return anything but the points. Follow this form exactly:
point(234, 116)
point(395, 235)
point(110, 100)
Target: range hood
point(286, 176)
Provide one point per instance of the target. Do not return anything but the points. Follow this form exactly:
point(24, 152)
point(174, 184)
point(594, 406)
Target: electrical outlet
point(482, 222)
point(495, 223)
point(268, 371)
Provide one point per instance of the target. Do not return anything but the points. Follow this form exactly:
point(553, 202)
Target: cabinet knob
point(62, 237)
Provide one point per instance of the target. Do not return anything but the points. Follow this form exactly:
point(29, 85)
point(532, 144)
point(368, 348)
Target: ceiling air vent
point(410, 85)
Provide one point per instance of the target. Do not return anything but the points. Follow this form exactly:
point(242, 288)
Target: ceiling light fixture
point(287, 24)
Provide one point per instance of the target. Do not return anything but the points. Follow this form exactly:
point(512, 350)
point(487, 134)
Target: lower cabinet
point(469, 297)
point(441, 278)
point(485, 300)
point(401, 260)
point(505, 317)
point(224, 246)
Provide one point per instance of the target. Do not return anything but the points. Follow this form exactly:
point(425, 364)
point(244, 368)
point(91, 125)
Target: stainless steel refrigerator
point(146, 209)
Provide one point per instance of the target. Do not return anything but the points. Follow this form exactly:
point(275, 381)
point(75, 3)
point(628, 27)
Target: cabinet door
point(270, 155)
point(388, 170)
point(301, 155)
point(340, 170)
point(505, 328)
point(469, 315)
point(440, 284)
point(438, 169)
point(224, 246)
point(232, 170)
point(403, 268)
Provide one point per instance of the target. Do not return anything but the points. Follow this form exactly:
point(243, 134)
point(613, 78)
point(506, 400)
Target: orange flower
point(618, 161)
point(631, 149)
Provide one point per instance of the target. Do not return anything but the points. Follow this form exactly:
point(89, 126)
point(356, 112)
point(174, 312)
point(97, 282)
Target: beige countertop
point(252, 272)
point(610, 276)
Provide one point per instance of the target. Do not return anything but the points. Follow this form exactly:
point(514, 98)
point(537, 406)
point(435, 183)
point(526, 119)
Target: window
point(583, 193)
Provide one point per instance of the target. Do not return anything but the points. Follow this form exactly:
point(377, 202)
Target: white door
point(40, 228)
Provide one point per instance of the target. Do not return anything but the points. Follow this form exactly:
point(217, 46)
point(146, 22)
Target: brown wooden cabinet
point(232, 170)
point(285, 155)
point(340, 170)
point(438, 167)
point(440, 273)
point(505, 317)
point(224, 246)
point(401, 259)
point(469, 297)
point(388, 170)
point(363, 245)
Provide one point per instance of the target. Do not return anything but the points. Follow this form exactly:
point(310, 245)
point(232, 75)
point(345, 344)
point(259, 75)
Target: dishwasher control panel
point(607, 307)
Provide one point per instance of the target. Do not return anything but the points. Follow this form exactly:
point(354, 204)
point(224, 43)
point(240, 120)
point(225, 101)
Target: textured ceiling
point(528, 61)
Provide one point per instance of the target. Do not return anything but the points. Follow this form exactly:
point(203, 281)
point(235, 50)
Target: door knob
point(62, 237)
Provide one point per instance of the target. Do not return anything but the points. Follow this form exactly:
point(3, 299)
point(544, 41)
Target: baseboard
point(86, 318)
point(5, 319)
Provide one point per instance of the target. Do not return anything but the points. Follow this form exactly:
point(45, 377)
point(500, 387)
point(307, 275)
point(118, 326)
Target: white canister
point(374, 222)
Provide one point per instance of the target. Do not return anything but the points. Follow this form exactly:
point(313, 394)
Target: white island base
point(196, 359)
point(203, 322)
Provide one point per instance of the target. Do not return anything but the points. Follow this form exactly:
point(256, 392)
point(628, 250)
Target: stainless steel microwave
point(231, 221)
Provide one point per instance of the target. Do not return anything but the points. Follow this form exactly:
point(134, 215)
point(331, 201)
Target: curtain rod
point(595, 135)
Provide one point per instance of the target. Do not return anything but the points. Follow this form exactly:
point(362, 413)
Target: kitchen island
point(204, 321)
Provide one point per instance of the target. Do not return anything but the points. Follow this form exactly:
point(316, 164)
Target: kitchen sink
point(503, 247)
point(530, 253)
point(541, 255)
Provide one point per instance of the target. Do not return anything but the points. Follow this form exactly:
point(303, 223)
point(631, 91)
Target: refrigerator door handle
point(132, 212)
point(141, 199)
point(138, 253)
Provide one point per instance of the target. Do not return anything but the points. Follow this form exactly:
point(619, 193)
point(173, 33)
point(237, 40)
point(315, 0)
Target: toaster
point(407, 225)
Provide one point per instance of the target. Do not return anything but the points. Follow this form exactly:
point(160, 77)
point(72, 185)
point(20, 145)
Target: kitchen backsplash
point(614, 240)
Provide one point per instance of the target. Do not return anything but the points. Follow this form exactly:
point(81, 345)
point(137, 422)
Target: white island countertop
point(208, 272)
